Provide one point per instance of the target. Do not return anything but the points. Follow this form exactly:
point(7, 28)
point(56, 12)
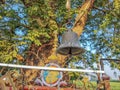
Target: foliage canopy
point(27, 22)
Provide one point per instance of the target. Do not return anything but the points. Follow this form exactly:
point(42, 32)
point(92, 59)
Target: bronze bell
point(70, 44)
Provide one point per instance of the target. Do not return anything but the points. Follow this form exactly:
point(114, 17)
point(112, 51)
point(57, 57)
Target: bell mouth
point(70, 50)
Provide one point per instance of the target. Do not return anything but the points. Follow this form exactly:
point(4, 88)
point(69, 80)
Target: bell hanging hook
point(69, 24)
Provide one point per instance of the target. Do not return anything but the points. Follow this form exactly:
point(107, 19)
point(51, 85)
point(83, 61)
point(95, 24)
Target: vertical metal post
point(106, 82)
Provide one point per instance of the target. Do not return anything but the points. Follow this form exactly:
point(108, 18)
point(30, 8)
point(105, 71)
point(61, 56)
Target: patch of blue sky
point(111, 0)
point(17, 7)
point(24, 21)
point(93, 12)
point(75, 4)
point(59, 19)
point(99, 32)
point(21, 13)
point(79, 64)
point(6, 19)
point(22, 48)
point(88, 48)
point(21, 31)
point(20, 10)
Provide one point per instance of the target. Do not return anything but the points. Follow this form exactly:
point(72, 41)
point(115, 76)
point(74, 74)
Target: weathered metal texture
point(70, 44)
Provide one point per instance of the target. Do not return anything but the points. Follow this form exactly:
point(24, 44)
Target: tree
point(38, 19)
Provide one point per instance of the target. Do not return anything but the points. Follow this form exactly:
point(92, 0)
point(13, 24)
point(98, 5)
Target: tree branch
point(34, 54)
point(2, 70)
point(110, 59)
point(44, 45)
point(26, 26)
point(104, 11)
point(2, 1)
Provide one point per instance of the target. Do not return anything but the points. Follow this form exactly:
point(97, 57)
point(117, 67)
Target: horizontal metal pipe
point(50, 68)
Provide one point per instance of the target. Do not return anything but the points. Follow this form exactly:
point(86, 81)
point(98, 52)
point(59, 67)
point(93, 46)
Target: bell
point(70, 44)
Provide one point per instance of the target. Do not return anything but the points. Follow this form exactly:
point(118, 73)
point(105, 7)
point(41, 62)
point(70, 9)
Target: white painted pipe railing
point(50, 68)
